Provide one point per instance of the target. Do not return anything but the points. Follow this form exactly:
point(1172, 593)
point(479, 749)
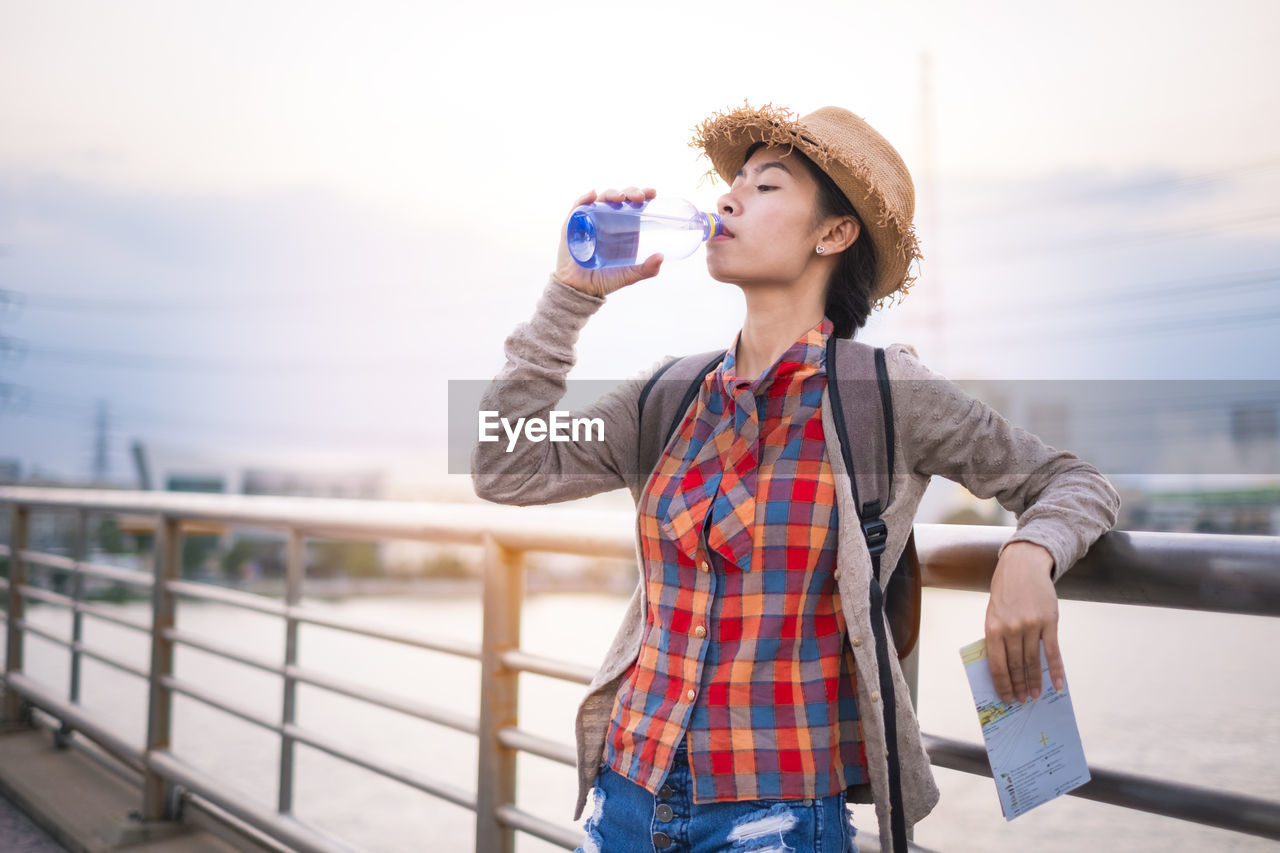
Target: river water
point(1188, 696)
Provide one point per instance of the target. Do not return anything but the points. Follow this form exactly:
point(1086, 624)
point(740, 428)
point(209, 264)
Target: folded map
point(1034, 747)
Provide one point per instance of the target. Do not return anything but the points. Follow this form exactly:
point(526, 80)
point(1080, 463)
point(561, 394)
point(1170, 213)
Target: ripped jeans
point(623, 817)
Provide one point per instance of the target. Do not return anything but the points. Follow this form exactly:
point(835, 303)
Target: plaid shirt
point(744, 644)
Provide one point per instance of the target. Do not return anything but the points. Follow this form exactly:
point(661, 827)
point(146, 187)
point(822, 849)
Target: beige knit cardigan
point(1061, 503)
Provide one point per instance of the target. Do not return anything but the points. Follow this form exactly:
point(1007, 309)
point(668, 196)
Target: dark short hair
point(849, 289)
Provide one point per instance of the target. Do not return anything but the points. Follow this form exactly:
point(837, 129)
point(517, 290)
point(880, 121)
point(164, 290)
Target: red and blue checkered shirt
point(744, 643)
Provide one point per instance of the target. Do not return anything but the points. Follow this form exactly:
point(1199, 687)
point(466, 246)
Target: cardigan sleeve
point(539, 355)
point(1062, 502)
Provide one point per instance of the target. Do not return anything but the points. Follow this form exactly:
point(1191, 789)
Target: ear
point(841, 233)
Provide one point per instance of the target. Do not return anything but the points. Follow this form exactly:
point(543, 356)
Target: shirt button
point(666, 791)
point(691, 694)
point(665, 813)
point(855, 641)
point(836, 574)
point(661, 840)
point(875, 695)
point(704, 566)
point(700, 631)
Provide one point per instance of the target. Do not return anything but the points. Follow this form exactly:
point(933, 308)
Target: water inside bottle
point(611, 236)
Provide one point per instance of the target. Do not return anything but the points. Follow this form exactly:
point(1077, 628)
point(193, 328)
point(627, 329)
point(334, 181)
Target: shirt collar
point(807, 355)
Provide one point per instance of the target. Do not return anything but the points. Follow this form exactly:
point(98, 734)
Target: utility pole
point(936, 318)
point(101, 445)
point(12, 396)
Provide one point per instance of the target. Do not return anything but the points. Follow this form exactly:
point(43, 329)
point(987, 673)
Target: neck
point(776, 318)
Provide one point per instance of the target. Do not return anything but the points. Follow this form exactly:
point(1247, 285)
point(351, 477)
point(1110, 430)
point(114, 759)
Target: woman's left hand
point(1023, 610)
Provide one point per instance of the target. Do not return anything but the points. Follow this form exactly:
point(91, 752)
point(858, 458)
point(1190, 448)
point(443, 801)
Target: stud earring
point(821, 249)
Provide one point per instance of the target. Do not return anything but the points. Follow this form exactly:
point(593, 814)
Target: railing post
point(499, 695)
point(294, 572)
point(79, 553)
point(157, 792)
point(17, 577)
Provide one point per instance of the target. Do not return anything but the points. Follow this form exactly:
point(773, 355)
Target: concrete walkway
point(19, 835)
point(78, 805)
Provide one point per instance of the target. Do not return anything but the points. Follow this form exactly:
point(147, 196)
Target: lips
point(725, 233)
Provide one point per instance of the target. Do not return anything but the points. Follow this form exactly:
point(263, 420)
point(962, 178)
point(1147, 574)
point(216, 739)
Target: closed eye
point(765, 187)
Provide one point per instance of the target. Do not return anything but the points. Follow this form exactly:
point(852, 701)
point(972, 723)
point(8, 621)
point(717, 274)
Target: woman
point(740, 705)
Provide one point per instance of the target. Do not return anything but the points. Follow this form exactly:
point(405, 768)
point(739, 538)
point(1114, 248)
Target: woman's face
point(770, 215)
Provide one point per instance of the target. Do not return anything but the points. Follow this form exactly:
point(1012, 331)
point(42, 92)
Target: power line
point(161, 362)
point(64, 409)
point(1003, 255)
point(1145, 187)
point(1207, 287)
point(1194, 322)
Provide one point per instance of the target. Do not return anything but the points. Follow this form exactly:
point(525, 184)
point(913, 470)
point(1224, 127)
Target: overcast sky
point(277, 230)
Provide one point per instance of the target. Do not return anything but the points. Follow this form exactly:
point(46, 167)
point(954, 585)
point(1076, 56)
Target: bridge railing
point(1233, 574)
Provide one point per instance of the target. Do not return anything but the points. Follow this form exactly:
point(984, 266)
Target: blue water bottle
point(614, 234)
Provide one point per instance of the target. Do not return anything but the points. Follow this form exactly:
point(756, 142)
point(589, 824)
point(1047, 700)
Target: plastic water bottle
point(613, 234)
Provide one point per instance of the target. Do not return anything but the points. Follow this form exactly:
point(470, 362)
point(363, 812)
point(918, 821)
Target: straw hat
point(858, 159)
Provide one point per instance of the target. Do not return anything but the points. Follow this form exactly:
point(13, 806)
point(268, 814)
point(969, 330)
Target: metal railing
point(1234, 574)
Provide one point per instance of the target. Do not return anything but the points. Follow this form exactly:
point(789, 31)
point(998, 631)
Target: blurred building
point(202, 470)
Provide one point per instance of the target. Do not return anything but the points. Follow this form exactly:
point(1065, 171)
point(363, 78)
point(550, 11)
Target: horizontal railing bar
point(514, 738)
point(282, 827)
point(40, 631)
point(87, 746)
point(443, 790)
point(217, 649)
point(133, 577)
point(1200, 571)
point(383, 699)
point(457, 648)
point(518, 528)
point(546, 830)
point(373, 696)
point(222, 595)
point(209, 816)
point(58, 599)
point(1207, 806)
point(1195, 571)
point(200, 695)
point(99, 612)
point(49, 561)
point(60, 563)
point(563, 670)
point(111, 661)
point(76, 717)
point(66, 643)
point(275, 607)
point(48, 596)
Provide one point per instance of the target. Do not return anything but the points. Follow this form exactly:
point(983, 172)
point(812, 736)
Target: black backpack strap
point(886, 407)
point(851, 369)
point(665, 400)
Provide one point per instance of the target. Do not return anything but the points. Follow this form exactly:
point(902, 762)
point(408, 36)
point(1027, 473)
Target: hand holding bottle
point(602, 282)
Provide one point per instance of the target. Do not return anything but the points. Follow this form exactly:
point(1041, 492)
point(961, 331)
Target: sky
point(274, 231)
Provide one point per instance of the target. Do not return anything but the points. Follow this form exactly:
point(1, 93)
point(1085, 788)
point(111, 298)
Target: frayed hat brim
point(862, 163)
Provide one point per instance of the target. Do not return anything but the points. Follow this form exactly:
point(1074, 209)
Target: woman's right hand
point(604, 281)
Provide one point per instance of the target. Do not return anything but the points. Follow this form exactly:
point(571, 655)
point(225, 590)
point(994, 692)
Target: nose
point(725, 204)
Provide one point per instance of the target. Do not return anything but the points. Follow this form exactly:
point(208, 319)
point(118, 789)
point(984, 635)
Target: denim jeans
point(624, 817)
